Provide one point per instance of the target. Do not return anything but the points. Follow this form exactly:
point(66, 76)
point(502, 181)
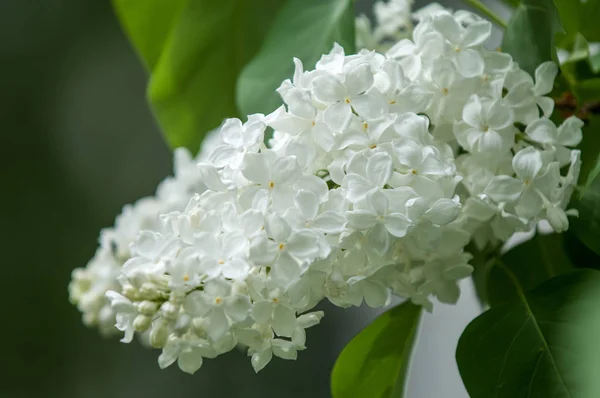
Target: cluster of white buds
point(89, 285)
point(381, 169)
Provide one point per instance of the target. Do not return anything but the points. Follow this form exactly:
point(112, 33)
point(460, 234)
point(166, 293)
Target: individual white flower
point(487, 126)
point(568, 134)
point(468, 61)
point(237, 139)
point(366, 174)
point(525, 96)
point(344, 96)
point(535, 181)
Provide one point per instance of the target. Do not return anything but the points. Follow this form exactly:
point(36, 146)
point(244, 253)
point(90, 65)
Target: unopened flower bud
point(557, 219)
point(141, 323)
point(169, 311)
point(159, 334)
point(147, 307)
point(129, 291)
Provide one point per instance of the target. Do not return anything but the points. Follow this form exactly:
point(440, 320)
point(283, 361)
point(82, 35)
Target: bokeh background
point(79, 142)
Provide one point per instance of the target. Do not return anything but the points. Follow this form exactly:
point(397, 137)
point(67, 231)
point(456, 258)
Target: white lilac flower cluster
point(89, 285)
point(382, 167)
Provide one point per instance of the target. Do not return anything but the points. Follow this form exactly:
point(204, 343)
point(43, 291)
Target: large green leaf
point(304, 29)
point(532, 263)
point(195, 50)
point(374, 364)
point(587, 226)
point(595, 63)
point(530, 35)
point(579, 17)
point(542, 344)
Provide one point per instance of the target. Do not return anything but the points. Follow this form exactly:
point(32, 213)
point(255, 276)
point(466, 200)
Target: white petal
point(222, 154)
point(254, 130)
point(500, 115)
point(447, 25)
point(235, 244)
point(358, 79)
point(477, 33)
point(338, 115)
point(443, 211)
point(277, 228)
point(547, 105)
point(285, 169)
point(169, 354)
point(308, 204)
point(379, 239)
point(189, 361)
point(312, 184)
point(569, 132)
point(544, 77)
point(409, 153)
point(402, 49)
point(542, 130)
point(218, 324)
point(469, 63)
point(504, 189)
point(284, 321)
point(286, 270)
point(284, 349)
point(356, 187)
point(261, 359)
point(397, 224)
point(491, 141)
point(472, 111)
point(527, 163)
point(329, 222)
point(288, 123)
point(361, 219)
point(262, 311)
point(328, 88)
point(256, 168)
point(369, 106)
point(195, 304)
point(303, 244)
point(231, 132)
point(376, 295)
point(236, 269)
point(378, 202)
point(210, 177)
point(379, 168)
point(237, 307)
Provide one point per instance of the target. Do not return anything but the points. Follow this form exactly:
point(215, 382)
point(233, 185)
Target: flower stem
point(491, 15)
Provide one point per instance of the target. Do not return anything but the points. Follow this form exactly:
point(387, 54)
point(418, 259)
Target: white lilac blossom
point(366, 190)
point(89, 285)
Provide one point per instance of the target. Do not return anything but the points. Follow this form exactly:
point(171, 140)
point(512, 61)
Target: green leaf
point(194, 50)
point(580, 255)
point(542, 344)
point(304, 29)
point(595, 63)
point(532, 263)
point(512, 3)
point(587, 226)
point(578, 17)
point(590, 151)
point(482, 262)
point(375, 363)
point(530, 35)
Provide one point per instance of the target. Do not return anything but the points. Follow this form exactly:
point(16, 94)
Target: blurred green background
point(78, 143)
